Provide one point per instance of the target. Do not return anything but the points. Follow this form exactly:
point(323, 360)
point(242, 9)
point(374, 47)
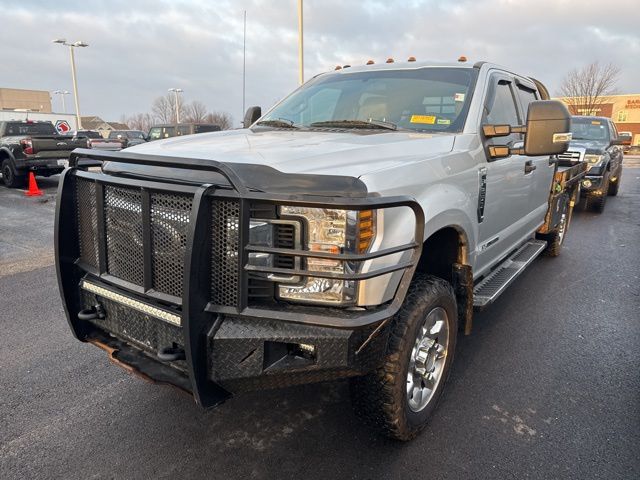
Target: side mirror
point(548, 128)
point(619, 141)
point(253, 114)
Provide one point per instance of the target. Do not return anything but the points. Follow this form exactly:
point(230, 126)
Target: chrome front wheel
point(428, 358)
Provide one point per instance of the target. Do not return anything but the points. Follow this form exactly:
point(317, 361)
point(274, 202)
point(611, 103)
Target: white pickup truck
point(347, 233)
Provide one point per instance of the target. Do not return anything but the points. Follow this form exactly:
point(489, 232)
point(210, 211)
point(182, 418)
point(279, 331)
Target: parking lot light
point(177, 91)
point(78, 44)
point(62, 93)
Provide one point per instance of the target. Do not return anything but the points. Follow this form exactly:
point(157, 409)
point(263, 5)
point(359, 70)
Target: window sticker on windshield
point(444, 121)
point(594, 122)
point(430, 119)
point(458, 97)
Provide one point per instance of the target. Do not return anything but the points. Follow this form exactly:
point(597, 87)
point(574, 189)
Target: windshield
point(589, 129)
point(134, 134)
point(422, 99)
point(24, 128)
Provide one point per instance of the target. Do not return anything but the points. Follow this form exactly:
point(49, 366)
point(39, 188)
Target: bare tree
point(140, 121)
point(164, 109)
point(222, 119)
point(586, 89)
point(195, 112)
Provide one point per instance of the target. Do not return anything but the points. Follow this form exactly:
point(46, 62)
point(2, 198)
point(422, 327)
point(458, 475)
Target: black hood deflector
point(240, 176)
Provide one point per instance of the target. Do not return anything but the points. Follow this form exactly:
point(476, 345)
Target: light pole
point(177, 91)
point(62, 93)
point(300, 43)
point(80, 44)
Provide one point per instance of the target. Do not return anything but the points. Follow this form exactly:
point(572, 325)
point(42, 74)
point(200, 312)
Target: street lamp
point(177, 91)
point(62, 93)
point(78, 44)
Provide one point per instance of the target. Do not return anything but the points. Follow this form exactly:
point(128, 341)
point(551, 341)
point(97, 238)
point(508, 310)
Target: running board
point(492, 286)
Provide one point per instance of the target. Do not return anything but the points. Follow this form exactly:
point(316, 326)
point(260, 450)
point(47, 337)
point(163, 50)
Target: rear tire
point(9, 176)
point(400, 396)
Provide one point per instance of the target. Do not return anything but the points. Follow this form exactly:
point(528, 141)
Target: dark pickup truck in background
point(27, 145)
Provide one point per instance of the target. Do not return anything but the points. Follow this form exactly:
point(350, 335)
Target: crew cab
point(595, 141)
point(128, 138)
point(95, 140)
point(347, 233)
point(35, 146)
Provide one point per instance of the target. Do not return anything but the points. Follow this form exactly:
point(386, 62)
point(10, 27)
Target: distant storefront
point(20, 99)
point(624, 110)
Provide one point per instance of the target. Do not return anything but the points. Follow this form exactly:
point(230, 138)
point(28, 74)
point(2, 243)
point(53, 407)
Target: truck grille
point(123, 229)
point(571, 156)
point(131, 218)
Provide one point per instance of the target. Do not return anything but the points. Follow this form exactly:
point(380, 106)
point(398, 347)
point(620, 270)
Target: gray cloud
point(139, 49)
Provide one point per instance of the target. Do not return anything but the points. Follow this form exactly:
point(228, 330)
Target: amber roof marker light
point(462, 59)
point(411, 59)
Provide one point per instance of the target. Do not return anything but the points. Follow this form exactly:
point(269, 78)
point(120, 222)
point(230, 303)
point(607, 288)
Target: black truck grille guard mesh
point(168, 213)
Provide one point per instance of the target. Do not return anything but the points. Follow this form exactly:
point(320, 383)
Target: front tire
point(9, 177)
point(614, 186)
point(399, 397)
point(596, 203)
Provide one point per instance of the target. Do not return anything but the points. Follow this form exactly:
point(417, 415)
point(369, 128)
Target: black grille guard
point(245, 184)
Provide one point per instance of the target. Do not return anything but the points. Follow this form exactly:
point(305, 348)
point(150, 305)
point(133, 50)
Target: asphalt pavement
point(547, 386)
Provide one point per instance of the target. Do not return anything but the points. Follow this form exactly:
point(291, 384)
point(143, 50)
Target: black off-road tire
point(380, 398)
point(614, 186)
point(596, 203)
point(9, 177)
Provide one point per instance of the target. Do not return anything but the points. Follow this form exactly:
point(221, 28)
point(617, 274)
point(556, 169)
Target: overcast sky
point(139, 48)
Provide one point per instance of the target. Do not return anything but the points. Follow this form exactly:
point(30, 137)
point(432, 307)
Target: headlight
point(592, 161)
point(329, 231)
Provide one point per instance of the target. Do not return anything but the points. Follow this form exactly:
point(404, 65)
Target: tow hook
point(92, 313)
point(171, 354)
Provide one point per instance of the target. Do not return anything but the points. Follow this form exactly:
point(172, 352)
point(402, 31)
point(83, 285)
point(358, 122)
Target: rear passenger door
point(505, 218)
point(541, 168)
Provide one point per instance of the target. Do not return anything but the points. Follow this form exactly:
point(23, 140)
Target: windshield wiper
point(356, 124)
point(277, 122)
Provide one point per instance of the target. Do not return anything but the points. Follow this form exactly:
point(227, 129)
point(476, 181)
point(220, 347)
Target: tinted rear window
point(19, 128)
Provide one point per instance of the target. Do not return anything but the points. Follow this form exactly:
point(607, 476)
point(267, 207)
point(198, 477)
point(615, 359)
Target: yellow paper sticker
point(444, 121)
point(594, 122)
point(430, 119)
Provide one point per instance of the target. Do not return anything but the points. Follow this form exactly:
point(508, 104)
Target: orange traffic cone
point(33, 191)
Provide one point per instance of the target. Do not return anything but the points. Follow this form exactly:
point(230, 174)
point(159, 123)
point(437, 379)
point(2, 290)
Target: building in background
point(96, 123)
point(19, 99)
point(624, 110)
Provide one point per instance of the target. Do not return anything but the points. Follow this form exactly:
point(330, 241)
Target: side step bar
point(492, 286)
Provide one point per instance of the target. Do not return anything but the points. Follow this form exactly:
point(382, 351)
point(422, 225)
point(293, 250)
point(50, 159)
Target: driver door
point(505, 221)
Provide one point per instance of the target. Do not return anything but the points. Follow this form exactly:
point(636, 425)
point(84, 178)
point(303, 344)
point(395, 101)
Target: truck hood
point(304, 152)
point(590, 146)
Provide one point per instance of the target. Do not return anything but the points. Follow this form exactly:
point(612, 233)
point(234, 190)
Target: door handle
point(529, 167)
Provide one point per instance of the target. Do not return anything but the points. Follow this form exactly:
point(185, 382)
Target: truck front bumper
point(176, 308)
point(591, 185)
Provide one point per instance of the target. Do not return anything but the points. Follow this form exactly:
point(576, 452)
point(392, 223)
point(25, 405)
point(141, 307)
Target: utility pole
point(300, 43)
point(244, 63)
point(71, 46)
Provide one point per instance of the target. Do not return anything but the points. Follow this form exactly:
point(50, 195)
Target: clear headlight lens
point(592, 161)
point(330, 231)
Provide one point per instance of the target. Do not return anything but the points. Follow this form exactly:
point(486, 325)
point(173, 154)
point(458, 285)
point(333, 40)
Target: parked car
point(596, 142)
point(33, 146)
point(128, 138)
point(626, 139)
point(94, 139)
point(158, 132)
point(348, 233)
